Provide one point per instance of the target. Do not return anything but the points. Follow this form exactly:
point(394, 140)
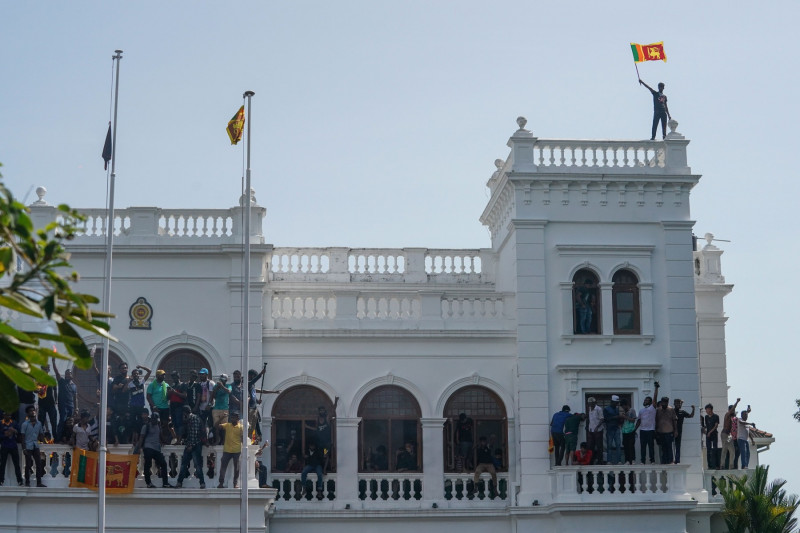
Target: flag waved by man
point(236, 126)
point(648, 52)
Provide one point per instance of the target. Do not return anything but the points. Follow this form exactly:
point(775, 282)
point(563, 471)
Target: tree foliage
point(31, 283)
point(754, 505)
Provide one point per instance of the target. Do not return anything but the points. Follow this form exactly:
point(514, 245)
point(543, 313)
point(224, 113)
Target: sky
point(376, 124)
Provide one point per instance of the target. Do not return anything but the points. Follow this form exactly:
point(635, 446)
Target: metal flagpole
point(245, 468)
point(101, 463)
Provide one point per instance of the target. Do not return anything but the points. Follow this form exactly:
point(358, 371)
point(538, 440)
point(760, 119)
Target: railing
point(59, 463)
point(208, 223)
point(589, 483)
point(290, 488)
point(389, 486)
point(416, 265)
point(388, 307)
point(303, 306)
point(711, 479)
point(570, 153)
point(461, 487)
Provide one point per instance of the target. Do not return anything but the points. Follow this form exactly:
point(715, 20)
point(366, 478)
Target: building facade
point(592, 287)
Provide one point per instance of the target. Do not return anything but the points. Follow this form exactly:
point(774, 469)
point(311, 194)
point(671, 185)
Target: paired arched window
point(484, 416)
point(297, 422)
point(625, 299)
point(183, 360)
point(586, 303)
point(389, 435)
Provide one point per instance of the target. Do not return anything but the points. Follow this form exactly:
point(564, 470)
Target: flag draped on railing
point(236, 126)
point(120, 471)
point(648, 52)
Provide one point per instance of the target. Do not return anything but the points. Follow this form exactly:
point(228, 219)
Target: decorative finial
point(243, 198)
point(499, 163)
point(673, 125)
point(708, 237)
point(40, 192)
point(522, 122)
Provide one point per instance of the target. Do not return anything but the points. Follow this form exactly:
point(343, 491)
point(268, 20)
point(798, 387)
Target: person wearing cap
point(219, 414)
point(667, 428)
point(157, 397)
point(206, 399)
point(612, 418)
point(594, 431)
point(557, 432)
point(150, 443)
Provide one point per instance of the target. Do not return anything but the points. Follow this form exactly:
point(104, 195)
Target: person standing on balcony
point(193, 450)
point(629, 422)
point(464, 440)
point(9, 432)
point(710, 425)
point(743, 430)
point(314, 463)
point(150, 442)
point(612, 419)
point(647, 428)
point(571, 427)
point(667, 428)
point(323, 431)
point(594, 431)
point(47, 405)
point(177, 399)
point(681, 414)
point(232, 449)
point(729, 445)
point(157, 394)
point(222, 395)
point(67, 398)
point(32, 432)
point(557, 432)
point(206, 399)
point(585, 303)
point(660, 110)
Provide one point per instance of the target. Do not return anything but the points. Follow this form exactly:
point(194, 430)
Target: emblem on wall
point(141, 312)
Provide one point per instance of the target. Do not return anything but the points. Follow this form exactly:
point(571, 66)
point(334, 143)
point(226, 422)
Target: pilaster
point(347, 459)
point(432, 454)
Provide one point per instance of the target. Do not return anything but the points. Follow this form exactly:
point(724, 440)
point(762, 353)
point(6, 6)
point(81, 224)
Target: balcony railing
point(59, 463)
point(621, 482)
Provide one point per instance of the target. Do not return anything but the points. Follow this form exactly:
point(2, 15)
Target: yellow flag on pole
point(236, 126)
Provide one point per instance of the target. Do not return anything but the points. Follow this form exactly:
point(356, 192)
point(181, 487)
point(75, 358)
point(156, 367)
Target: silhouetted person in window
point(584, 304)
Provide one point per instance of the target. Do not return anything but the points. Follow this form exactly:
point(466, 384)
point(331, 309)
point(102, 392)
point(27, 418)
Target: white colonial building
point(407, 339)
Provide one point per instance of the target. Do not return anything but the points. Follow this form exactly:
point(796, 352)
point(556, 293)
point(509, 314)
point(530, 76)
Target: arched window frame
point(297, 408)
point(400, 412)
point(183, 360)
point(626, 302)
point(489, 416)
point(579, 281)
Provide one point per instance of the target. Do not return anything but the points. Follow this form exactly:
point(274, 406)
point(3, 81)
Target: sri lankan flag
point(648, 52)
point(236, 126)
point(120, 471)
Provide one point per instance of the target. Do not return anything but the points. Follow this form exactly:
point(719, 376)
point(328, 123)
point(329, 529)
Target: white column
point(433, 458)
point(347, 460)
point(607, 308)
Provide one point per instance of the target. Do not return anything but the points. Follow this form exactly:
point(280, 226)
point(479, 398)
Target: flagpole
point(245, 468)
point(101, 466)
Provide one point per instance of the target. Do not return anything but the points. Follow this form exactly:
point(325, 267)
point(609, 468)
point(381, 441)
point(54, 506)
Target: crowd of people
point(615, 427)
point(193, 413)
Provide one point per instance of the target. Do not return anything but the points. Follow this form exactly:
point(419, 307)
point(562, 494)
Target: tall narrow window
point(302, 415)
point(585, 303)
point(484, 416)
point(625, 298)
point(389, 434)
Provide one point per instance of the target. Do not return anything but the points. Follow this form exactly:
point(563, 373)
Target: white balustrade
point(388, 307)
point(195, 223)
point(453, 261)
point(300, 306)
point(589, 483)
point(472, 307)
point(301, 261)
point(290, 488)
point(59, 461)
point(576, 154)
point(390, 486)
point(377, 261)
point(461, 487)
point(157, 222)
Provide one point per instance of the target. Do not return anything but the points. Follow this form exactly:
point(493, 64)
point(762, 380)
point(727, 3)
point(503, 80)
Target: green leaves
point(752, 504)
point(38, 290)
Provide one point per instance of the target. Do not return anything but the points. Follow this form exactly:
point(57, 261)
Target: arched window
point(88, 381)
point(625, 299)
point(585, 303)
point(389, 427)
point(296, 423)
point(485, 416)
point(183, 360)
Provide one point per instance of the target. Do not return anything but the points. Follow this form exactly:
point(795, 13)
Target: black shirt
point(659, 102)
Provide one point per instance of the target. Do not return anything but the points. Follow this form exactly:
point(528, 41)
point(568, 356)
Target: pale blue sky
point(376, 124)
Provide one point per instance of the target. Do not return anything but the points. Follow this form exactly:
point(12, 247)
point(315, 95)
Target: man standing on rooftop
point(660, 109)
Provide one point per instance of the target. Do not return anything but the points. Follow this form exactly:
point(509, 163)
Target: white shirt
point(647, 416)
point(595, 418)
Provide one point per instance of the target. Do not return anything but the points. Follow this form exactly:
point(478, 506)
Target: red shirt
point(583, 458)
